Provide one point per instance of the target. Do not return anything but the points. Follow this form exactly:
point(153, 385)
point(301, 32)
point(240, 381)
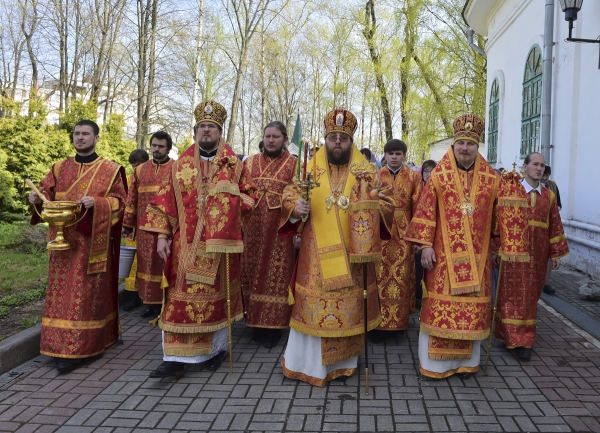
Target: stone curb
point(25, 345)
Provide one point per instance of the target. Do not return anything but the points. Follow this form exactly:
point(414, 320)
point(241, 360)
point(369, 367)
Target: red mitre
point(468, 127)
point(340, 120)
point(223, 225)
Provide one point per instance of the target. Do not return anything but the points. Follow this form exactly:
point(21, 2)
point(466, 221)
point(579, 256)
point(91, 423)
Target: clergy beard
point(342, 157)
point(273, 154)
point(208, 145)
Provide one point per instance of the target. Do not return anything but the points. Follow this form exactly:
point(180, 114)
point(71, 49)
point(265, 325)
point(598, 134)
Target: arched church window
point(532, 103)
point(492, 151)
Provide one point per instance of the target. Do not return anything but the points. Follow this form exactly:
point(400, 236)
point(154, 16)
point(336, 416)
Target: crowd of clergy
point(335, 248)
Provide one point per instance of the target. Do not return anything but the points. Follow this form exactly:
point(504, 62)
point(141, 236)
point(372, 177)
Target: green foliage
point(4, 311)
point(9, 234)
point(28, 322)
point(28, 147)
point(78, 110)
point(22, 298)
point(113, 145)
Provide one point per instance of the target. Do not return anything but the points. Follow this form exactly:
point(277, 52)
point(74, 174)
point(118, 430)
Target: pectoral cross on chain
point(467, 207)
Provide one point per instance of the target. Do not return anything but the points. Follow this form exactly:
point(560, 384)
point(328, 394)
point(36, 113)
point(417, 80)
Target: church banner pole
point(228, 285)
point(487, 355)
point(365, 295)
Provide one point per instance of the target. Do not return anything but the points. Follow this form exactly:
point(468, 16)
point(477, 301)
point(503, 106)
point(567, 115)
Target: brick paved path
point(556, 391)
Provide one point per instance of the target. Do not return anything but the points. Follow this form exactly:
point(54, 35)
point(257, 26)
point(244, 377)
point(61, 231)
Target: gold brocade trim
point(228, 246)
point(131, 210)
point(557, 239)
point(447, 373)
point(534, 223)
point(155, 230)
point(78, 324)
point(333, 254)
point(151, 278)
point(59, 195)
point(424, 222)
point(186, 352)
point(519, 322)
point(340, 358)
point(455, 335)
point(148, 188)
point(246, 199)
point(194, 278)
point(316, 381)
point(196, 297)
point(225, 187)
point(97, 257)
point(365, 258)
point(291, 299)
point(197, 328)
point(364, 205)
point(87, 355)
point(257, 297)
point(518, 257)
point(322, 332)
point(513, 201)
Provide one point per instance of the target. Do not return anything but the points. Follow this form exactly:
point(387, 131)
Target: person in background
point(136, 158)
point(367, 153)
point(551, 185)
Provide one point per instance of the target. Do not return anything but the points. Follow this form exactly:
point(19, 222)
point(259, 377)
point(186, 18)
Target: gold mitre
point(340, 120)
point(210, 111)
point(468, 127)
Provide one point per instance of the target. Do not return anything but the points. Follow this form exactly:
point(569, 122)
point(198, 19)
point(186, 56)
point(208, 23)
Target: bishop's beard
point(339, 156)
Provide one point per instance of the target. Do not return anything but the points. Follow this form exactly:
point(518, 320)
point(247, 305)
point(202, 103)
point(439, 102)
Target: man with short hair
point(453, 225)
point(81, 317)
point(396, 272)
point(145, 182)
point(267, 262)
point(197, 214)
point(552, 186)
point(521, 283)
point(327, 322)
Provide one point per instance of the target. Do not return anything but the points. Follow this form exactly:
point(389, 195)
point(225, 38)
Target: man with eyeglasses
point(327, 322)
point(197, 217)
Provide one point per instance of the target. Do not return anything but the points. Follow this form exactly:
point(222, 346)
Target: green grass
point(4, 311)
point(28, 322)
point(22, 298)
point(9, 234)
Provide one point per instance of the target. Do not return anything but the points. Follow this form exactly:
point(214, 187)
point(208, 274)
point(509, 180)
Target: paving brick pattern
point(567, 282)
point(557, 391)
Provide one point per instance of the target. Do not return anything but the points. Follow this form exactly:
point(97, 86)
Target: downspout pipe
point(470, 32)
point(547, 80)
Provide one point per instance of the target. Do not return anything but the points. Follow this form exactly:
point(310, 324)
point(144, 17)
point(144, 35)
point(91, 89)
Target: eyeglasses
point(343, 138)
point(207, 125)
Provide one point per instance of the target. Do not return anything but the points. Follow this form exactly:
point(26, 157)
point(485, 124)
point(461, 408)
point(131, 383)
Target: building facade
point(515, 83)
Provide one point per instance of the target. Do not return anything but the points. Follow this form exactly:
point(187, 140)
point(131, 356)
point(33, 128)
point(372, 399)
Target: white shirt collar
point(394, 172)
point(529, 188)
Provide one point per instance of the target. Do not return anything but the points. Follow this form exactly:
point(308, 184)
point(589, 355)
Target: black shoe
point(465, 376)
point(522, 353)
point(152, 311)
point(67, 365)
point(214, 363)
point(418, 304)
point(168, 369)
point(341, 379)
point(377, 336)
point(133, 301)
point(271, 337)
point(257, 334)
point(548, 289)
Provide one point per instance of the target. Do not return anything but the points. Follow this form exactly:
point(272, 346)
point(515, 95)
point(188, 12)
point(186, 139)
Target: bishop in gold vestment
point(328, 321)
point(454, 221)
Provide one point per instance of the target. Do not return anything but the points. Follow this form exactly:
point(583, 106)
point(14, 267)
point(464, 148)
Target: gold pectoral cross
point(329, 201)
point(467, 207)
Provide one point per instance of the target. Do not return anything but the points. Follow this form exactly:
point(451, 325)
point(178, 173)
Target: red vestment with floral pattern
point(145, 182)
point(195, 302)
point(81, 312)
point(267, 262)
point(521, 283)
point(396, 272)
point(456, 215)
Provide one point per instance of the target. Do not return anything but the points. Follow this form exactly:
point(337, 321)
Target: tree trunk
point(198, 61)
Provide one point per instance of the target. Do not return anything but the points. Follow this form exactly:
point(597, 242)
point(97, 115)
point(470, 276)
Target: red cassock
point(521, 283)
point(145, 183)
point(200, 208)
point(81, 313)
point(268, 259)
point(396, 273)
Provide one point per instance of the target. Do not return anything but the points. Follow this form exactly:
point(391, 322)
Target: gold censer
point(60, 214)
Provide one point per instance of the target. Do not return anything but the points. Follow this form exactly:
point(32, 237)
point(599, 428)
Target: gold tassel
point(229, 249)
point(332, 254)
point(424, 287)
point(291, 299)
point(153, 322)
point(198, 328)
point(365, 258)
point(164, 283)
point(228, 188)
point(464, 290)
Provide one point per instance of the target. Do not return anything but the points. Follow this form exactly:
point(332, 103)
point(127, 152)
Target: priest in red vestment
point(197, 215)
point(81, 312)
point(521, 283)
point(267, 262)
point(145, 182)
point(462, 203)
point(396, 272)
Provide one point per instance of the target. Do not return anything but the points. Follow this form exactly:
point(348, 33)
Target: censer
point(60, 214)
